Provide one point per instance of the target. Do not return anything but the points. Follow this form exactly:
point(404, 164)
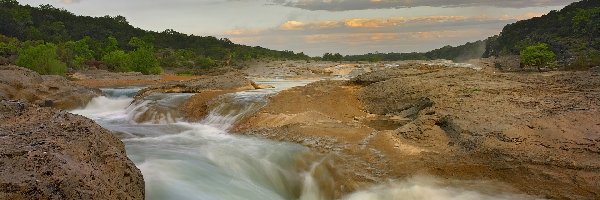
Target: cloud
point(364, 35)
point(293, 25)
point(374, 23)
point(70, 1)
point(344, 5)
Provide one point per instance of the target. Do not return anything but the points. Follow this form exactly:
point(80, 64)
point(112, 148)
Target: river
point(202, 160)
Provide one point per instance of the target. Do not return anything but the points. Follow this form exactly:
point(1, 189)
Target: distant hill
point(460, 53)
point(573, 34)
point(56, 25)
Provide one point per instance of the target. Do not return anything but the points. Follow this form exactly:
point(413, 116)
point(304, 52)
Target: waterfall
point(188, 160)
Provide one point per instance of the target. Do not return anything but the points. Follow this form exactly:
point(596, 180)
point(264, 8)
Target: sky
point(319, 26)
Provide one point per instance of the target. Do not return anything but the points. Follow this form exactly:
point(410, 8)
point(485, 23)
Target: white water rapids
point(201, 160)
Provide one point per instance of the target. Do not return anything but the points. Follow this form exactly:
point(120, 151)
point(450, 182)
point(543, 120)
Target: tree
point(111, 45)
point(8, 46)
point(205, 62)
point(9, 3)
point(75, 53)
point(537, 55)
point(118, 60)
point(143, 60)
point(41, 58)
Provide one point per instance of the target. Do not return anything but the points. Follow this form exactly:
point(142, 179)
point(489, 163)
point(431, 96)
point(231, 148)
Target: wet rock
point(50, 154)
point(198, 106)
point(455, 123)
point(263, 86)
point(230, 81)
point(26, 85)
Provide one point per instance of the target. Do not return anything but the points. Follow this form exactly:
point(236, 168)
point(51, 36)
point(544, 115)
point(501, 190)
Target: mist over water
point(201, 160)
point(428, 188)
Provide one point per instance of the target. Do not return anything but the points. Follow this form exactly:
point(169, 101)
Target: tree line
point(573, 34)
point(461, 53)
point(111, 42)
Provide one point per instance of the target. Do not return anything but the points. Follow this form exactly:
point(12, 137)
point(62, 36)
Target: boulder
point(26, 85)
point(50, 154)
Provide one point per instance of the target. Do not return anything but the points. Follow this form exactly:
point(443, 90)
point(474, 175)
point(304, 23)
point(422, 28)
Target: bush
point(205, 63)
point(144, 61)
point(537, 55)
point(7, 49)
point(118, 60)
point(75, 53)
point(41, 58)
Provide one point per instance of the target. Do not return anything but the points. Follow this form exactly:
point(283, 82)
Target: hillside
point(459, 53)
point(173, 49)
point(573, 34)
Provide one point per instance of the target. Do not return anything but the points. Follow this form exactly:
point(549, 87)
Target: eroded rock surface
point(197, 106)
point(46, 90)
point(538, 132)
point(231, 81)
point(51, 154)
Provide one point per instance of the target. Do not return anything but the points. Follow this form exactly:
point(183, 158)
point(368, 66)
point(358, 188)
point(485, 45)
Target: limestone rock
point(23, 84)
point(50, 154)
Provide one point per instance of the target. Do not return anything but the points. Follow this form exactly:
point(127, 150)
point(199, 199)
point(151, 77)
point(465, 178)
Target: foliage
point(332, 57)
point(144, 61)
point(118, 60)
point(8, 46)
point(460, 53)
point(537, 55)
point(110, 33)
point(205, 63)
point(75, 53)
point(41, 58)
point(573, 33)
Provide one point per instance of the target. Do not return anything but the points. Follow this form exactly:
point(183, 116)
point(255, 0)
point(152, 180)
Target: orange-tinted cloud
point(344, 5)
point(358, 38)
point(395, 21)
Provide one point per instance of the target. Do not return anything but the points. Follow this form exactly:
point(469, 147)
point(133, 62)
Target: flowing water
point(201, 160)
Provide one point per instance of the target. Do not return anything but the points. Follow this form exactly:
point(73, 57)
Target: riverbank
point(373, 122)
point(456, 123)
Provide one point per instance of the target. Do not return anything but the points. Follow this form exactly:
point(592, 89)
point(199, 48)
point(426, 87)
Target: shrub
point(205, 62)
point(118, 60)
point(75, 53)
point(537, 55)
point(143, 60)
point(41, 58)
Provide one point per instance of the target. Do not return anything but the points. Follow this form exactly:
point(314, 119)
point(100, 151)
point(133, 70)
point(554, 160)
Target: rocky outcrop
point(50, 154)
point(228, 82)
point(538, 127)
point(45, 90)
point(455, 123)
point(196, 107)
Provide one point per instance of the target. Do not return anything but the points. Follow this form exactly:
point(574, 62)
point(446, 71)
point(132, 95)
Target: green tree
point(9, 3)
point(41, 58)
point(143, 58)
point(75, 53)
point(118, 60)
point(8, 46)
point(537, 55)
point(110, 45)
point(205, 62)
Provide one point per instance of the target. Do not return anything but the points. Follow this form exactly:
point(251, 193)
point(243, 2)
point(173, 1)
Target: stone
point(50, 154)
